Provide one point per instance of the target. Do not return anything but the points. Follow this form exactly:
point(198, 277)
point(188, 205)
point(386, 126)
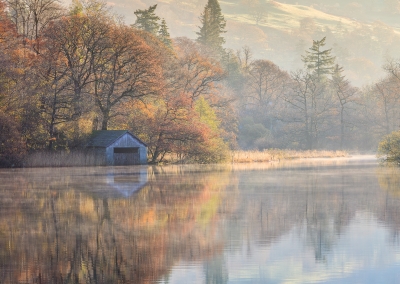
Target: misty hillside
point(362, 36)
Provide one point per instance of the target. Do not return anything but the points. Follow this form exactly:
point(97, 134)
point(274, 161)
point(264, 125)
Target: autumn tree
point(32, 16)
point(14, 67)
point(107, 62)
point(213, 149)
point(389, 148)
point(8, 46)
point(80, 39)
point(198, 73)
point(58, 103)
point(65, 68)
point(169, 122)
point(127, 69)
point(12, 146)
point(167, 125)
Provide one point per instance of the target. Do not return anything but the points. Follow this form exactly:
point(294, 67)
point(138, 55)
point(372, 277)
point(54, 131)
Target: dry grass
point(63, 159)
point(85, 159)
point(277, 155)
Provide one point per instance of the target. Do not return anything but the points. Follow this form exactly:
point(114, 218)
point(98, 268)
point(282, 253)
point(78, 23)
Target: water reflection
point(333, 221)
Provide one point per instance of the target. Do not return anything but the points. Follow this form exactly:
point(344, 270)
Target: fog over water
point(317, 221)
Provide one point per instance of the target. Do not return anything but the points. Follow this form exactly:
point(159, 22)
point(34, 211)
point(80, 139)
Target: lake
point(311, 221)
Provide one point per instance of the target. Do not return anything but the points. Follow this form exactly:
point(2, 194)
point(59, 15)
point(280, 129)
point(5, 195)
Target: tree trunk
point(341, 129)
point(106, 117)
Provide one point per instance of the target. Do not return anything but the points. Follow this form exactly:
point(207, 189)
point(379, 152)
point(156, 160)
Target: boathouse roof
point(104, 138)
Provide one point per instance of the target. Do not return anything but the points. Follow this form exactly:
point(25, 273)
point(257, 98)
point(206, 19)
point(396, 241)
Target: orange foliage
point(199, 73)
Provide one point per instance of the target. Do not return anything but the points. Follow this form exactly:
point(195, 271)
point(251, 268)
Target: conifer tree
point(213, 25)
point(163, 34)
point(319, 62)
point(147, 20)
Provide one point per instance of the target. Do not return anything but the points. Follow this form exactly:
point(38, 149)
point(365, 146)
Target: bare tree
point(345, 95)
point(309, 108)
point(31, 17)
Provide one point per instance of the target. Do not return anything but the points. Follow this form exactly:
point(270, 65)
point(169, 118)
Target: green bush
point(389, 148)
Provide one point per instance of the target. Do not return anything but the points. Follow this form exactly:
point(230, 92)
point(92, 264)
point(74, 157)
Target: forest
point(68, 71)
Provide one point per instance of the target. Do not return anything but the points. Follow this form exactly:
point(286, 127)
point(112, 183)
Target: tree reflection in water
point(88, 226)
point(140, 225)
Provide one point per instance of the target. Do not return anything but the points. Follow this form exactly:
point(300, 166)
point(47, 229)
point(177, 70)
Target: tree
point(12, 146)
point(258, 11)
point(345, 95)
point(319, 62)
point(32, 16)
point(167, 124)
point(265, 84)
point(198, 74)
point(81, 40)
point(8, 48)
point(58, 104)
point(213, 149)
point(89, 66)
point(164, 35)
point(386, 94)
point(244, 55)
point(264, 87)
point(309, 108)
point(212, 26)
point(127, 69)
point(147, 20)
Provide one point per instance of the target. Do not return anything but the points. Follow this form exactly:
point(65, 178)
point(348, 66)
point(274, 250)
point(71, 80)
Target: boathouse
point(118, 147)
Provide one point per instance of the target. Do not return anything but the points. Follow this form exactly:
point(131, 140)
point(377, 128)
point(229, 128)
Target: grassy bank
point(277, 155)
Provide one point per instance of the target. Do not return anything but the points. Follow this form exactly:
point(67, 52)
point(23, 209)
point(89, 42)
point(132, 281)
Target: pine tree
point(319, 62)
point(213, 25)
point(163, 34)
point(147, 20)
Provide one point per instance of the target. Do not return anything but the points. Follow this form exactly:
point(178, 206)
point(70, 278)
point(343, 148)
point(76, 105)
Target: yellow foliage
point(148, 218)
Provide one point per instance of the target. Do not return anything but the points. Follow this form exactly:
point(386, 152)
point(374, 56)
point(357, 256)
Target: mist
point(363, 35)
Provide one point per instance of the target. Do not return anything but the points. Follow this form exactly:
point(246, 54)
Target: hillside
point(281, 32)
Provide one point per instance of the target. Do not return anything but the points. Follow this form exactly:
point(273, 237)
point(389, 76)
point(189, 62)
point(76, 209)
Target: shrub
point(389, 148)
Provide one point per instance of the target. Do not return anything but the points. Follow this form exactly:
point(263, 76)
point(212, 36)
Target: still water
point(316, 221)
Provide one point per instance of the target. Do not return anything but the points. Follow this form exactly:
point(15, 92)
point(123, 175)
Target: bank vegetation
point(68, 71)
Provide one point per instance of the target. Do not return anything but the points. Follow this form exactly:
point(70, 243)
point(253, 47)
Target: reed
point(87, 158)
point(277, 155)
point(63, 159)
